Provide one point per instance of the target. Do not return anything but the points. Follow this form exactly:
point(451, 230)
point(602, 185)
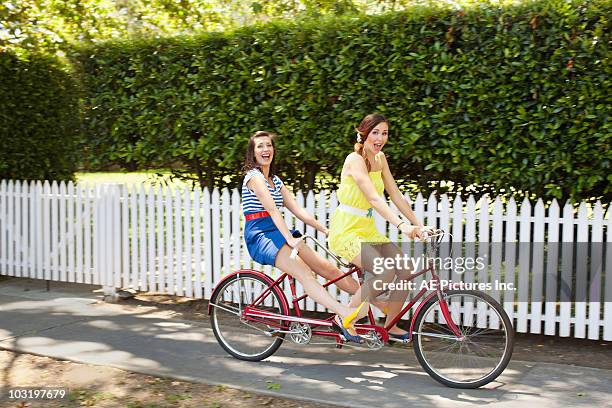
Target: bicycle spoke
point(482, 331)
point(444, 348)
point(482, 346)
point(443, 329)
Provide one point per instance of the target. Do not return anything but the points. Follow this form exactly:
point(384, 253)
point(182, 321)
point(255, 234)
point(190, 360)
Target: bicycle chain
point(335, 344)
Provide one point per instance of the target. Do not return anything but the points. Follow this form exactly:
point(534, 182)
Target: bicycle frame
point(251, 313)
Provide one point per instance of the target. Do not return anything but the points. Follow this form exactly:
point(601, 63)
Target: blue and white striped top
point(250, 202)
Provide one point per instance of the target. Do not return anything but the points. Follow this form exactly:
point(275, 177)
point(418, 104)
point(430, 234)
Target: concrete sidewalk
point(77, 326)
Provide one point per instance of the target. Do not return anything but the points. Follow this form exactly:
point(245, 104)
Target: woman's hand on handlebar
point(412, 231)
point(295, 243)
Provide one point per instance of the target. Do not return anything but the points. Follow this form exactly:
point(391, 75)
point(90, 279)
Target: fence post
point(552, 269)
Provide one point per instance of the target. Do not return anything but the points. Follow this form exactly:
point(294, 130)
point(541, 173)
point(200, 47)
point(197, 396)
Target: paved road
point(76, 326)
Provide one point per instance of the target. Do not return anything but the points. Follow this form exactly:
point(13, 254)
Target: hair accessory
point(359, 139)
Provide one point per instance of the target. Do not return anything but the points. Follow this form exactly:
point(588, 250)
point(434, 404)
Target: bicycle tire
point(240, 335)
point(490, 339)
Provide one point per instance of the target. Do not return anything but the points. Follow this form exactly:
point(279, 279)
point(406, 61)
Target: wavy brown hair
point(250, 162)
point(365, 127)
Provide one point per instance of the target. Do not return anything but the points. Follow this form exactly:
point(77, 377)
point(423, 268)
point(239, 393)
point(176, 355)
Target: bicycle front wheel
point(483, 353)
point(246, 340)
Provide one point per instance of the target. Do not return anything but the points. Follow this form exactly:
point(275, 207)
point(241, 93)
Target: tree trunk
point(198, 169)
point(311, 176)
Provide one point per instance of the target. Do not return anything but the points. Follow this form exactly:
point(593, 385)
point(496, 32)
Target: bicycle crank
point(374, 340)
point(300, 333)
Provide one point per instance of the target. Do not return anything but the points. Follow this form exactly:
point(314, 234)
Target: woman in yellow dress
point(364, 179)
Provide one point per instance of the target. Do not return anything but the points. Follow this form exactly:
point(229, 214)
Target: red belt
point(256, 215)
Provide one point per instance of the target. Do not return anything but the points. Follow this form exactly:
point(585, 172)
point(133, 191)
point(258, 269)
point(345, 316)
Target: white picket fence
point(181, 242)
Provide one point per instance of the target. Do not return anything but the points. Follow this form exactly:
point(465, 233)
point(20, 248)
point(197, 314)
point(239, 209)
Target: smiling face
point(376, 138)
point(264, 150)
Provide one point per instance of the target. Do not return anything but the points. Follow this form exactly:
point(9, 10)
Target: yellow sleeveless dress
point(348, 231)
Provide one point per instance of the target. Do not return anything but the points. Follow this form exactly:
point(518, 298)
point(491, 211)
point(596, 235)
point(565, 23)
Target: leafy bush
point(510, 100)
point(39, 119)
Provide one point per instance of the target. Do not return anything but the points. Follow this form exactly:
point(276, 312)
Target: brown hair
point(365, 127)
point(250, 162)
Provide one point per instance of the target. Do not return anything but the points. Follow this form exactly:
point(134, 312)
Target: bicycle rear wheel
point(484, 352)
point(245, 340)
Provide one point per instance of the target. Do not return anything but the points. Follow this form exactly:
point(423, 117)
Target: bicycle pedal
point(391, 339)
point(273, 333)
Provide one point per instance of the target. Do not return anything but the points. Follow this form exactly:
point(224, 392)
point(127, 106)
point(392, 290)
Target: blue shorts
point(263, 240)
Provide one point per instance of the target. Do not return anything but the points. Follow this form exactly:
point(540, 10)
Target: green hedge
point(511, 100)
point(39, 119)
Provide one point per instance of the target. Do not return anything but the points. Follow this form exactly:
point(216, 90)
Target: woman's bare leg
point(356, 299)
point(300, 271)
point(397, 299)
point(326, 269)
point(323, 267)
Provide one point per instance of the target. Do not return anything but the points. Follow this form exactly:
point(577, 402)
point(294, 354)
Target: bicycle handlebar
point(304, 237)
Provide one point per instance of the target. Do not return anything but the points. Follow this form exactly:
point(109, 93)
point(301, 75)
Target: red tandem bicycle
point(461, 338)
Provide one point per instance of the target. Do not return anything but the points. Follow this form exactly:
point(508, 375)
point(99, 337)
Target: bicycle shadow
point(382, 379)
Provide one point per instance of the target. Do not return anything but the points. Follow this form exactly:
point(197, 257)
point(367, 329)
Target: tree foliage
point(39, 119)
point(57, 25)
point(509, 100)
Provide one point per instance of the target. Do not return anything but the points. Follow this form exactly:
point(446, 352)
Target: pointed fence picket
point(236, 233)
point(594, 295)
point(537, 269)
point(510, 249)
point(484, 230)
point(179, 241)
point(496, 254)
point(524, 265)
point(581, 272)
point(87, 269)
point(567, 259)
point(552, 270)
point(607, 323)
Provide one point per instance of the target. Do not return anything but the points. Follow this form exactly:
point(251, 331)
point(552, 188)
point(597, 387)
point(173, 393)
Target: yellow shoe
point(348, 320)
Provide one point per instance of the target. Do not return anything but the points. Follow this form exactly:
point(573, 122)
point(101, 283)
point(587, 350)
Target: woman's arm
point(396, 196)
point(292, 205)
point(258, 186)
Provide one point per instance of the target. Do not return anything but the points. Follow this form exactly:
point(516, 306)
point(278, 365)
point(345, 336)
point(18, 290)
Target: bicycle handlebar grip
point(430, 232)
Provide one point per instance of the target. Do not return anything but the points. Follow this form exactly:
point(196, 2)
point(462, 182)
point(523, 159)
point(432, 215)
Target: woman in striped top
point(269, 240)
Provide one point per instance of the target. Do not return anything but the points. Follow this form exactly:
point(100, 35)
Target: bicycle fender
point(418, 309)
